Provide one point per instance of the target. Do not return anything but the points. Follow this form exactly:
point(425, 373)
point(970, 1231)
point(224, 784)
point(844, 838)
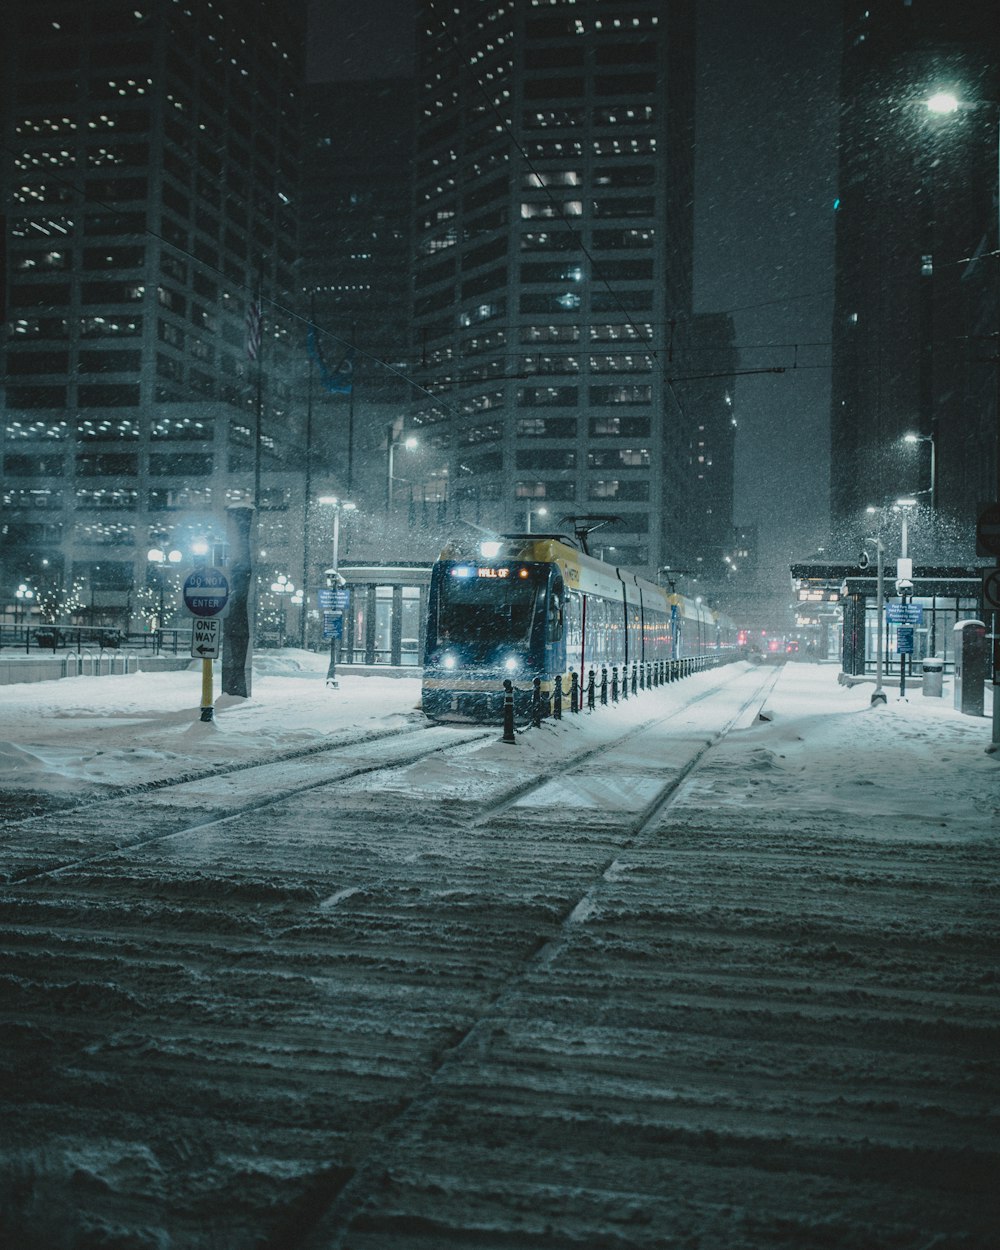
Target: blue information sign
point(333, 625)
point(206, 592)
point(904, 613)
point(334, 600)
point(904, 640)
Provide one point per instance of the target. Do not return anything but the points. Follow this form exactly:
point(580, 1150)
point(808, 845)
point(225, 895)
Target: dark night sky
point(765, 187)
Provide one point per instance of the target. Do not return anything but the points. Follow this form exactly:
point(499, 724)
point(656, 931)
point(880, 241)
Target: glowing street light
point(410, 443)
point(535, 512)
point(942, 102)
point(927, 438)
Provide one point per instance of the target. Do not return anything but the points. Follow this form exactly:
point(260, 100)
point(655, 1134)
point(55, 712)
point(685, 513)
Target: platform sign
point(206, 635)
point(206, 592)
point(904, 613)
point(333, 625)
point(334, 599)
point(904, 640)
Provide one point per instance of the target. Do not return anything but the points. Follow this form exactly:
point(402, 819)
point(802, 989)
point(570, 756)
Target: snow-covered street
point(430, 989)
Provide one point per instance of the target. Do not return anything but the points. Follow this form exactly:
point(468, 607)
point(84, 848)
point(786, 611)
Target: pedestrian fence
point(599, 687)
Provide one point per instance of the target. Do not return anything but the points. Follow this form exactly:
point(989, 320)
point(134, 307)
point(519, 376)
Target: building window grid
point(640, 240)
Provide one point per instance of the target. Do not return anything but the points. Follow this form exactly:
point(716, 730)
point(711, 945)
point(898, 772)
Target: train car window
point(554, 625)
point(573, 617)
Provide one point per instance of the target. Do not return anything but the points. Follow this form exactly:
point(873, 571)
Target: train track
point(332, 1229)
point(331, 765)
point(301, 978)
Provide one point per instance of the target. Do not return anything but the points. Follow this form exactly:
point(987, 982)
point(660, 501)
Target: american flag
point(254, 327)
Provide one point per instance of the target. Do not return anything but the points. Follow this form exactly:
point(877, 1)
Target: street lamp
point(943, 102)
point(409, 443)
point(156, 558)
point(537, 512)
point(927, 438)
point(338, 506)
point(24, 596)
point(282, 587)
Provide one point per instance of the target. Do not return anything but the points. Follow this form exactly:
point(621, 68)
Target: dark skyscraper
point(356, 244)
point(554, 226)
point(915, 321)
point(151, 191)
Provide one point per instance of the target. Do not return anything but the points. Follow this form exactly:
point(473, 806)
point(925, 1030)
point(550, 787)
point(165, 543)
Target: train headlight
point(510, 664)
point(449, 661)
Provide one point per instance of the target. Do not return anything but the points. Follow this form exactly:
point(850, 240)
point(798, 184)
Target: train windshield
point(481, 613)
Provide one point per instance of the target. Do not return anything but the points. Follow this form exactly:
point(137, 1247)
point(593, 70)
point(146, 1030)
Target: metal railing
point(599, 687)
point(30, 639)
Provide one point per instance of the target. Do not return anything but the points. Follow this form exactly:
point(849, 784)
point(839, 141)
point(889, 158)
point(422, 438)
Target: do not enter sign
point(206, 592)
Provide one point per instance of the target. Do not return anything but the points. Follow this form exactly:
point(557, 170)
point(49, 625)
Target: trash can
point(933, 669)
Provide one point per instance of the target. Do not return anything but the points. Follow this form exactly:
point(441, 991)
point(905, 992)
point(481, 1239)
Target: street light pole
point(335, 579)
point(927, 438)
point(878, 695)
point(409, 444)
point(541, 512)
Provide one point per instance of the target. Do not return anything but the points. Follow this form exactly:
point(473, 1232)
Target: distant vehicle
point(536, 605)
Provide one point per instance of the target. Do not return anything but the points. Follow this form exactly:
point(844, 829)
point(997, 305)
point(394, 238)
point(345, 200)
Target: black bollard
point(663, 673)
point(642, 677)
point(590, 691)
point(635, 678)
point(574, 690)
point(604, 685)
point(625, 681)
point(508, 712)
point(557, 698)
point(649, 675)
point(536, 702)
point(614, 683)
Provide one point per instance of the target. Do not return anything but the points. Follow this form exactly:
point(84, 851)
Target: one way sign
point(206, 632)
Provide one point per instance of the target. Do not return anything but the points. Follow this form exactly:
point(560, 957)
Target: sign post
point(333, 600)
point(904, 647)
point(206, 593)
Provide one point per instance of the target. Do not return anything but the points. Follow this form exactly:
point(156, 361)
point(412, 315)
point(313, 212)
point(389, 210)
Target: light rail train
point(536, 605)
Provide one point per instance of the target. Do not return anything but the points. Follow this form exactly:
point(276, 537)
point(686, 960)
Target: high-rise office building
point(150, 191)
point(553, 220)
point(916, 307)
point(356, 244)
point(708, 544)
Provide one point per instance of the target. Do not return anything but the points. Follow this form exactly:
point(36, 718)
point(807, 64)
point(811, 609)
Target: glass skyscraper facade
point(554, 237)
point(150, 196)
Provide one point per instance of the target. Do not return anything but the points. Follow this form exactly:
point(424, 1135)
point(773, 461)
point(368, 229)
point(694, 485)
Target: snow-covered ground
point(86, 735)
point(367, 1015)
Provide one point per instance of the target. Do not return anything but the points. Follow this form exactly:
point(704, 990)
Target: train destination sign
point(206, 592)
